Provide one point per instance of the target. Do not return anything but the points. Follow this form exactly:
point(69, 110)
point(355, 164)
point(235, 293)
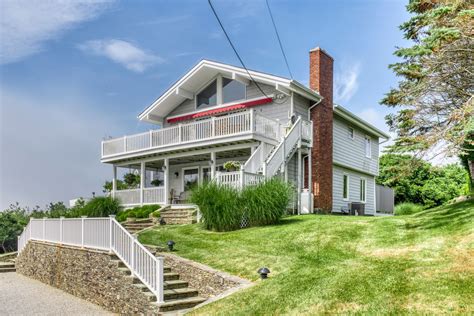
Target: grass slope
point(422, 263)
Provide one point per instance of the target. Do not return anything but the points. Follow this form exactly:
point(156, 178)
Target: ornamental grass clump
point(407, 209)
point(265, 203)
point(219, 206)
point(224, 208)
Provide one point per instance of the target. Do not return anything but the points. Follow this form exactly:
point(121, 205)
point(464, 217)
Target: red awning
point(224, 109)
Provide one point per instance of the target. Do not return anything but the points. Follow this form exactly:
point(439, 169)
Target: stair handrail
point(281, 147)
point(109, 235)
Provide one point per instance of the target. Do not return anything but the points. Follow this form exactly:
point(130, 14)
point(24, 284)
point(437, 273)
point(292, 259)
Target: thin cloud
point(26, 25)
point(166, 20)
point(346, 83)
point(122, 52)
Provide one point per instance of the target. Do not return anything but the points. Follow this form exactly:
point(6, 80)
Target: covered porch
point(169, 179)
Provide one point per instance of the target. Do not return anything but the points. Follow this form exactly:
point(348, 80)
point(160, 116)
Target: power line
point(235, 50)
point(279, 41)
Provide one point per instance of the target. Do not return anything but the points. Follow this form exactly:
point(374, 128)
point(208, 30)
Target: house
point(274, 126)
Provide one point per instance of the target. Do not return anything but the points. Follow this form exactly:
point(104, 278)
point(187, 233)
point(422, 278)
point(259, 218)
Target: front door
point(190, 178)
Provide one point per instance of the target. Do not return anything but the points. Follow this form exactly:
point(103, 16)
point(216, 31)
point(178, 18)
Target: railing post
point(142, 182)
point(159, 279)
point(242, 180)
point(83, 219)
point(61, 229)
point(151, 138)
point(252, 120)
point(111, 226)
point(179, 133)
point(132, 255)
point(213, 126)
point(125, 144)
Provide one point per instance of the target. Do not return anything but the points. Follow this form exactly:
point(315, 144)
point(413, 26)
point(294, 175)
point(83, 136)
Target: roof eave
point(344, 113)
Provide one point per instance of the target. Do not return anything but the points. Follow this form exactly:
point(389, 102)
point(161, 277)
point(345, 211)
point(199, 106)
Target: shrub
point(219, 206)
point(138, 212)
point(407, 209)
point(223, 208)
point(266, 202)
point(101, 207)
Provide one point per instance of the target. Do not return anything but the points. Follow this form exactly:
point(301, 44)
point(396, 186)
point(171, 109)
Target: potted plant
point(231, 166)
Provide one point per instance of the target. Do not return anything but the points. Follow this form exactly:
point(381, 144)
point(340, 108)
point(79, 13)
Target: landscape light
point(263, 272)
point(170, 244)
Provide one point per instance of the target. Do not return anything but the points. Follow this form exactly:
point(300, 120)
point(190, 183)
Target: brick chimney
point(321, 80)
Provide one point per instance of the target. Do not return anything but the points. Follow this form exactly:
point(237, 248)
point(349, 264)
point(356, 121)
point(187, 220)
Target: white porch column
point(166, 179)
point(299, 180)
point(142, 181)
point(213, 165)
point(114, 180)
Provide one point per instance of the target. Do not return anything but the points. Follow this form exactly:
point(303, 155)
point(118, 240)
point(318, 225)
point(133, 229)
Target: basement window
point(363, 189)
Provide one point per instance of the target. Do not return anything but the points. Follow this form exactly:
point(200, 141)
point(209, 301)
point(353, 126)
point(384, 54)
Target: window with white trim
point(232, 90)
point(368, 147)
point(345, 187)
point(208, 96)
point(363, 189)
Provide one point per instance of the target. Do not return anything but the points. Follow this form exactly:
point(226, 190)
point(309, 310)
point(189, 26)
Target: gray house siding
point(351, 152)
point(354, 189)
point(301, 106)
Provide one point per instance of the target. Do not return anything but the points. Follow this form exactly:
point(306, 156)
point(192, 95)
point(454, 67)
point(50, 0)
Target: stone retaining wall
point(209, 282)
point(87, 274)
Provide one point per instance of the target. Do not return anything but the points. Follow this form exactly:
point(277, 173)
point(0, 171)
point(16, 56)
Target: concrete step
point(179, 293)
point(177, 304)
point(165, 216)
point(3, 270)
point(136, 225)
point(122, 267)
point(175, 284)
point(170, 276)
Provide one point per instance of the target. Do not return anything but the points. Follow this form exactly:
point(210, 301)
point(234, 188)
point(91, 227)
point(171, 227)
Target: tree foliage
point(130, 181)
point(417, 181)
point(435, 93)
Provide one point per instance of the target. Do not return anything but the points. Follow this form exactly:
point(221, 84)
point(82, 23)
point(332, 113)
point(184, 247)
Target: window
point(208, 96)
point(351, 133)
point(345, 187)
point(190, 178)
point(232, 90)
point(368, 147)
point(363, 189)
point(220, 91)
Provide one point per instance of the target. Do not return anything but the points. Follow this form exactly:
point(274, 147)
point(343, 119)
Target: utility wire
point(235, 50)
point(279, 41)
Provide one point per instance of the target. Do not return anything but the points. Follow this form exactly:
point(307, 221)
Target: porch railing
point(239, 179)
point(208, 129)
point(153, 195)
point(102, 234)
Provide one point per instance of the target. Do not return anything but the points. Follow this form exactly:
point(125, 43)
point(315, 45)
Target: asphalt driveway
point(20, 295)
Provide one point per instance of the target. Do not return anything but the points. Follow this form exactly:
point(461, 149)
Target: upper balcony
point(241, 126)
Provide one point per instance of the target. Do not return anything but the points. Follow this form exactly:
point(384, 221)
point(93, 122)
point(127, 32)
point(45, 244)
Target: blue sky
point(72, 73)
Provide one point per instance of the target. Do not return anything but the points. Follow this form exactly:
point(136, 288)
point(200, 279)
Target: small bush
point(101, 206)
point(219, 206)
point(138, 212)
point(223, 208)
point(407, 209)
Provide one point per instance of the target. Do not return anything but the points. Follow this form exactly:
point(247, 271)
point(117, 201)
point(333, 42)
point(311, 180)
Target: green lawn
point(422, 263)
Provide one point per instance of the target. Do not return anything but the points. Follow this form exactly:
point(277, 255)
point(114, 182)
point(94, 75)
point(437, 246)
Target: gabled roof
point(204, 71)
point(354, 119)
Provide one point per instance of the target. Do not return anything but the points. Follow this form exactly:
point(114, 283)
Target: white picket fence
point(102, 234)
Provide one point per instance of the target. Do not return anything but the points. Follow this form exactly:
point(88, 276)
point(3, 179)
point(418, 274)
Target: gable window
point(208, 96)
point(345, 187)
point(363, 189)
point(351, 133)
point(232, 90)
point(368, 147)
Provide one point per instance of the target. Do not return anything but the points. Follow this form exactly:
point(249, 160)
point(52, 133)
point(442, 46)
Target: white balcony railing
point(154, 195)
point(239, 179)
point(208, 129)
point(102, 234)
